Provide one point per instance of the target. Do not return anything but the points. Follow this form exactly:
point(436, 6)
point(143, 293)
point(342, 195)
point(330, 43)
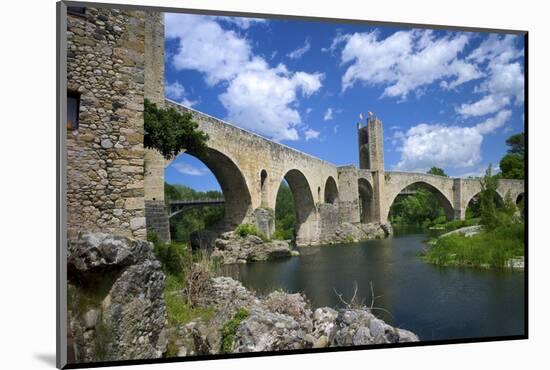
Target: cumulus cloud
point(405, 60)
point(311, 134)
point(258, 96)
point(175, 91)
point(505, 82)
point(298, 53)
point(188, 169)
point(446, 146)
point(328, 115)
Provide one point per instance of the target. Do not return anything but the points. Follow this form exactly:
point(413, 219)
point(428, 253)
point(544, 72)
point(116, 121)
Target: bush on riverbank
point(493, 248)
point(244, 230)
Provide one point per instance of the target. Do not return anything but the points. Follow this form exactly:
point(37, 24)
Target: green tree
point(437, 171)
point(285, 214)
point(512, 165)
point(516, 144)
point(171, 132)
point(487, 196)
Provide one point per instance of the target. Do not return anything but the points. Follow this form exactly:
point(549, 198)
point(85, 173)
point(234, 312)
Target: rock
point(322, 342)
point(231, 248)
point(406, 336)
point(324, 321)
point(96, 252)
point(362, 336)
point(293, 305)
point(353, 232)
point(182, 351)
point(377, 327)
point(125, 313)
point(106, 144)
point(264, 330)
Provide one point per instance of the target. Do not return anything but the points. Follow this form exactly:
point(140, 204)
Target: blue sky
point(446, 99)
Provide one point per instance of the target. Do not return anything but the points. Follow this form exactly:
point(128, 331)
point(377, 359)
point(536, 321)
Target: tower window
point(73, 106)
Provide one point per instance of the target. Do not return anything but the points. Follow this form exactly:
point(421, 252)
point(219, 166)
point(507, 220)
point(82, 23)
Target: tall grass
point(493, 248)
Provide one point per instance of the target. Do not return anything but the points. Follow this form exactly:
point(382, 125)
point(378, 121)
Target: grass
point(493, 248)
point(180, 312)
point(230, 329)
point(457, 224)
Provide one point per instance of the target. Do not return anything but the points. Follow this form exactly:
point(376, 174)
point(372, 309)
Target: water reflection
point(435, 302)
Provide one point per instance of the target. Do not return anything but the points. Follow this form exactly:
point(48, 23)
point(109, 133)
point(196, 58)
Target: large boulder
point(231, 248)
point(265, 330)
point(116, 307)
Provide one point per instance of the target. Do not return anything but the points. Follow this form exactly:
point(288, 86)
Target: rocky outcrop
point(354, 232)
point(280, 321)
point(116, 307)
point(231, 248)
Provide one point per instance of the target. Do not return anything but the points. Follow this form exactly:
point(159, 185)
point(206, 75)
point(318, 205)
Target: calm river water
point(434, 302)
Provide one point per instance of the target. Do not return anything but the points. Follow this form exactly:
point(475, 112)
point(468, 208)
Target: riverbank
point(500, 248)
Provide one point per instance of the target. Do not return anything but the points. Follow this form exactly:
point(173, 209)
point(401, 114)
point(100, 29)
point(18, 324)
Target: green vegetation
point(491, 248)
point(184, 223)
point(420, 209)
point(512, 165)
point(285, 215)
point(103, 339)
point(180, 266)
point(171, 132)
point(244, 230)
point(230, 329)
point(437, 171)
point(501, 239)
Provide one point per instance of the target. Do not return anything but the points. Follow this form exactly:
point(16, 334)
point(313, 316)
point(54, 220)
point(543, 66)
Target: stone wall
point(348, 194)
point(105, 65)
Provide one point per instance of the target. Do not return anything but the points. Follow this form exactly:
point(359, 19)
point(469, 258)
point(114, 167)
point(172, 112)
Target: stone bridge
point(250, 169)
point(116, 185)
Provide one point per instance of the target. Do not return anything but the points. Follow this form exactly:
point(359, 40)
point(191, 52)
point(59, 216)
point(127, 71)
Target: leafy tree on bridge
point(171, 132)
point(437, 171)
point(512, 165)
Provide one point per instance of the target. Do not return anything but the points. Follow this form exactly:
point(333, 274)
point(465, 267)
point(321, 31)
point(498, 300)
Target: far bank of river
point(434, 302)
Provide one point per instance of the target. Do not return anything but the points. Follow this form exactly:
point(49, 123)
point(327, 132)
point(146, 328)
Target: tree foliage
point(512, 165)
point(171, 132)
point(184, 223)
point(516, 144)
point(285, 214)
point(437, 171)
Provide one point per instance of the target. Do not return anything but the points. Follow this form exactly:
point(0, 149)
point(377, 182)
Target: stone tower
point(371, 145)
point(371, 159)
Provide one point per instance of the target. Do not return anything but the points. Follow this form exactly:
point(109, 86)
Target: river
point(434, 302)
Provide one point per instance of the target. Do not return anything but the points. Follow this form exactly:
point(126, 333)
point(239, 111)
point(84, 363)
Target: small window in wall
point(78, 10)
point(73, 106)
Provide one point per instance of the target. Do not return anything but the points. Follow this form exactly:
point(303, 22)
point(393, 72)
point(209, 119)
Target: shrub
point(230, 329)
point(173, 257)
point(492, 248)
point(244, 230)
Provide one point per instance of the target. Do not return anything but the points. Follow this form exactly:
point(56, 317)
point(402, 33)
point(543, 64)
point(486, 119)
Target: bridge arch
point(442, 199)
point(366, 201)
point(331, 191)
point(236, 193)
point(304, 205)
point(520, 197)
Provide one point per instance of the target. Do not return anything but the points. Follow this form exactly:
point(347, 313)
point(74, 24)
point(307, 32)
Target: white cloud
point(188, 169)
point(505, 82)
point(175, 91)
point(446, 146)
point(311, 134)
point(241, 22)
point(263, 101)
point(257, 97)
point(487, 105)
point(298, 53)
point(328, 115)
point(405, 61)
point(336, 127)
